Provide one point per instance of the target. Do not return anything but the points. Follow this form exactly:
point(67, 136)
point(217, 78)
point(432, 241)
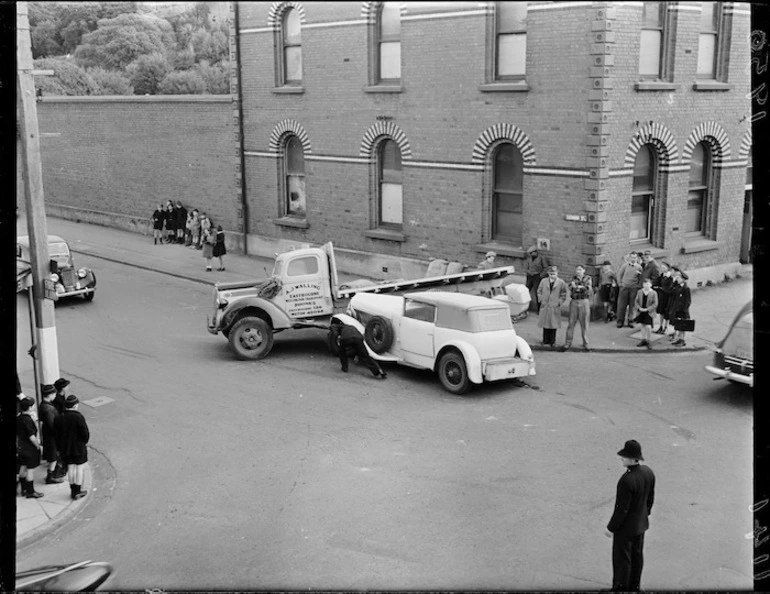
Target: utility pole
point(43, 293)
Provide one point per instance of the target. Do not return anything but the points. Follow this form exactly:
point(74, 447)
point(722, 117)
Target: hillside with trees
point(121, 48)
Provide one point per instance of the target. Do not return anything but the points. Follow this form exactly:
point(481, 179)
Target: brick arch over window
point(369, 11)
point(278, 8)
point(288, 127)
point(715, 136)
point(385, 129)
point(661, 138)
point(746, 142)
point(503, 132)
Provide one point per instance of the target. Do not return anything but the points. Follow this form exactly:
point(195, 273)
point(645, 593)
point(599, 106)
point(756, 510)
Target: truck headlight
point(54, 277)
point(82, 273)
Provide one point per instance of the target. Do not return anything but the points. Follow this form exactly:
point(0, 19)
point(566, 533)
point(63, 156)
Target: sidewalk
point(713, 308)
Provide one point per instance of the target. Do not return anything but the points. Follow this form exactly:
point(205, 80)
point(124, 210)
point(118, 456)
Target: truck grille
point(68, 277)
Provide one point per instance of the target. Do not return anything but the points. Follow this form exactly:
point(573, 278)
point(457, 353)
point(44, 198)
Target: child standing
point(679, 307)
point(646, 305)
point(208, 246)
point(607, 280)
point(219, 247)
point(664, 295)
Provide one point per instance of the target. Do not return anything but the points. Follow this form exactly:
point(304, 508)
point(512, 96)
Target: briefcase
point(684, 325)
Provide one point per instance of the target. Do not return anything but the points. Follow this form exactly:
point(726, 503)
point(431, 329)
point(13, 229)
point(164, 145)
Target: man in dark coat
point(72, 435)
point(181, 221)
point(536, 268)
point(47, 413)
point(58, 402)
point(350, 340)
point(633, 504)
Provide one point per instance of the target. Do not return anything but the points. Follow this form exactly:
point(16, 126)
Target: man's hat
point(606, 263)
point(647, 253)
point(552, 269)
point(48, 389)
point(26, 403)
point(490, 255)
point(71, 401)
point(683, 275)
point(61, 383)
point(632, 449)
point(532, 249)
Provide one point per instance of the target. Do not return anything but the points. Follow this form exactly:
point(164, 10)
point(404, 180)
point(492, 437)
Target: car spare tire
point(378, 334)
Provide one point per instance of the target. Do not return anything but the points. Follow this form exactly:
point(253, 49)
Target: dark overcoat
point(72, 435)
point(48, 413)
point(551, 301)
point(633, 501)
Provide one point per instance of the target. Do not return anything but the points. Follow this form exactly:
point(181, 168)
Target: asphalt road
point(215, 473)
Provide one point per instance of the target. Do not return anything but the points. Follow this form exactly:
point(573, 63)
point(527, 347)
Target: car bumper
point(501, 370)
point(731, 375)
point(75, 292)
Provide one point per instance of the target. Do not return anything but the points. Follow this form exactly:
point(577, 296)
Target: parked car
point(465, 339)
point(734, 354)
point(68, 280)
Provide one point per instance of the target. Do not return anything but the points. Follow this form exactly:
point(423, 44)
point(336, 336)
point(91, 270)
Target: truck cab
point(307, 285)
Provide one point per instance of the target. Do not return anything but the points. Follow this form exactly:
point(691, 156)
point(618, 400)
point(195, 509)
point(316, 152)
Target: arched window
point(643, 194)
point(507, 194)
point(389, 42)
point(390, 211)
point(698, 194)
point(291, 48)
point(510, 40)
point(294, 176)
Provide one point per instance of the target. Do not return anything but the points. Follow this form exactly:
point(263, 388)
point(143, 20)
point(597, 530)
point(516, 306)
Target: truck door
point(306, 290)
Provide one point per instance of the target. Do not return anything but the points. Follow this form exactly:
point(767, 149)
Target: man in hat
point(48, 414)
point(488, 261)
point(628, 284)
point(630, 520)
point(61, 393)
point(536, 268)
point(72, 435)
point(650, 270)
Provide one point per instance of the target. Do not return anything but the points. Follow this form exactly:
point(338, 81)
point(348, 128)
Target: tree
point(46, 40)
point(210, 45)
point(68, 78)
point(110, 82)
point(216, 77)
point(147, 72)
point(119, 41)
point(187, 82)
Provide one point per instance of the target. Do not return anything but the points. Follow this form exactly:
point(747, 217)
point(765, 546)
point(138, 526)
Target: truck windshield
point(278, 268)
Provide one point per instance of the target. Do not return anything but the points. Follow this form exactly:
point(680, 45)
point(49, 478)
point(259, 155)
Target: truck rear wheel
point(453, 373)
point(378, 334)
point(251, 338)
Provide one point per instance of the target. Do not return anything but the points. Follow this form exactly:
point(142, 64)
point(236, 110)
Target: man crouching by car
point(351, 342)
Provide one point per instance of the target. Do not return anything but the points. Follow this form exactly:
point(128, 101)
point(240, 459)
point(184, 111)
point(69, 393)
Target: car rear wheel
point(378, 334)
point(453, 373)
point(251, 338)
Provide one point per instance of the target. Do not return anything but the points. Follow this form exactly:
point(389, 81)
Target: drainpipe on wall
point(239, 100)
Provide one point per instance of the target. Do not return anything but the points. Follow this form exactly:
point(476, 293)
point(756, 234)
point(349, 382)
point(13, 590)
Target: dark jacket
point(633, 502)
point(679, 303)
point(181, 217)
point(47, 413)
point(72, 435)
point(651, 270)
point(157, 219)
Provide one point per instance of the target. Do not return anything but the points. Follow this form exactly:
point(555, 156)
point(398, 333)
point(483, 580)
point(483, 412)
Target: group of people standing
point(636, 294)
point(64, 434)
point(174, 224)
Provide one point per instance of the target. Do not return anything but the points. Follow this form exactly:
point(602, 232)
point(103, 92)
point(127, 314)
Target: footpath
point(713, 308)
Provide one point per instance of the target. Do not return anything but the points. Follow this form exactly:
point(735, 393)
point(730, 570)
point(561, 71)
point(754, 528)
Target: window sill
point(385, 235)
point(711, 85)
point(656, 252)
point(655, 85)
point(702, 244)
point(291, 222)
point(387, 88)
point(501, 249)
point(289, 90)
point(499, 87)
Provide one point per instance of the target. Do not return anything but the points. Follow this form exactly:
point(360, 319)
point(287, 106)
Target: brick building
point(404, 131)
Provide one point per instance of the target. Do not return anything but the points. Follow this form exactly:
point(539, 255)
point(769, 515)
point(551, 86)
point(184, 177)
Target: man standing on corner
point(536, 267)
point(580, 290)
point(633, 504)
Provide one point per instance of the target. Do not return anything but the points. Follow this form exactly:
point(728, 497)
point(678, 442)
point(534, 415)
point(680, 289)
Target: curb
point(628, 350)
point(61, 518)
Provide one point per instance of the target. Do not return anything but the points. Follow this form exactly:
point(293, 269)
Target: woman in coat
point(209, 239)
point(28, 447)
point(158, 218)
point(679, 305)
point(551, 294)
point(219, 247)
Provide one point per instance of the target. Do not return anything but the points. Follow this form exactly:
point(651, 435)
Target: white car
point(466, 339)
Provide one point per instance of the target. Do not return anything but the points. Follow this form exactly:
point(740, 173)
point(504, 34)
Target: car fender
point(523, 349)
point(278, 318)
point(471, 356)
point(351, 321)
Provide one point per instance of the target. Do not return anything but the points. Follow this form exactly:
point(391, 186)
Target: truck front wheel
point(251, 338)
point(453, 373)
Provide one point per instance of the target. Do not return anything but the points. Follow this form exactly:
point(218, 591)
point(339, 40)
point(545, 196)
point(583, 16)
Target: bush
point(216, 78)
point(110, 82)
point(187, 82)
point(68, 78)
point(147, 72)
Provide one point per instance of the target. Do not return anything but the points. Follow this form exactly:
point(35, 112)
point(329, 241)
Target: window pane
point(644, 170)
point(302, 266)
point(390, 60)
point(391, 203)
point(511, 16)
point(295, 157)
point(297, 197)
point(508, 169)
point(512, 54)
point(649, 52)
point(652, 16)
point(706, 48)
point(293, 63)
point(694, 214)
point(640, 217)
point(291, 27)
point(697, 166)
point(390, 21)
point(390, 161)
point(507, 217)
point(708, 16)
